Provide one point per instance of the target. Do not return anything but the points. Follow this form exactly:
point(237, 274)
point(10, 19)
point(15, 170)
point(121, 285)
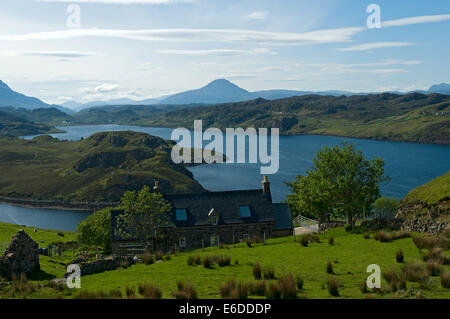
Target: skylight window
point(181, 214)
point(245, 211)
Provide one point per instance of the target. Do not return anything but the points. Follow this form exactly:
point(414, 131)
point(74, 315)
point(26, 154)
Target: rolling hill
point(99, 168)
point(11, 125)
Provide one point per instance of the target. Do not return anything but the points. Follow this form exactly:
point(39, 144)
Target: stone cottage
point(212, 218)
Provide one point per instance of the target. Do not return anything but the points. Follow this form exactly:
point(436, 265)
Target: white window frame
point(182, 242)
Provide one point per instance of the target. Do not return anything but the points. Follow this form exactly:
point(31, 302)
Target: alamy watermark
point(188, 152)
point(374, 20)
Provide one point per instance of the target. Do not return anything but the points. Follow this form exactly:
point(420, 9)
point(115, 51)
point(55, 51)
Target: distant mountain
point(50, 116)
point(124, 101)
point(8, 97)
point(442, 88)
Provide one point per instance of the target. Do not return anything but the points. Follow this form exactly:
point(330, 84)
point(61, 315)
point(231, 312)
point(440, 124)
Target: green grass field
point(350, 256)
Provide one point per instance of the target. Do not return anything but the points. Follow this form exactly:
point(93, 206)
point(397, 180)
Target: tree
point(144, 215)
point(95, 230)
point(385, 208)
point(341, 181)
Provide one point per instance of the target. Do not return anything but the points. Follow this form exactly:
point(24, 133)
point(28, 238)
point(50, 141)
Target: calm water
point(41, 218)
point(407, 164)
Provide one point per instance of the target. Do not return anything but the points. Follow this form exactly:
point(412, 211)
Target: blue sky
point(148, 48)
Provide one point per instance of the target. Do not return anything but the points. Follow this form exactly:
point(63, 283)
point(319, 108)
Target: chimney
point(266, 186)
point(156, 188)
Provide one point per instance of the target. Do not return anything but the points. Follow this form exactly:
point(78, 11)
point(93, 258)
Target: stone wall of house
point(21, 256)
point(200, 236)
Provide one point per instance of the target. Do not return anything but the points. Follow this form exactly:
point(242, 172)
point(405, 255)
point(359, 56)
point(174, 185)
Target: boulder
point(21, 256)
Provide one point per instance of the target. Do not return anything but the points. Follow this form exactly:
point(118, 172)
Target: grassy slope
point(352, 252)
point(432, 192)
point(414, 117)
point(44, 167)
point(11, 125)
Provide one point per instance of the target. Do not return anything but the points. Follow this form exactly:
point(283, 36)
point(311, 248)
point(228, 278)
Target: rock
point(21, 256)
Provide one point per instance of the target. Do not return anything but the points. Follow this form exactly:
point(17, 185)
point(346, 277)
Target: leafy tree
point(385, 208)
point(95, 230)
point(342, 181)
point(144, 215)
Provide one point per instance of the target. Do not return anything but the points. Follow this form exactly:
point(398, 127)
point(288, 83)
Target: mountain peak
point(3, 85)
point(221, 83)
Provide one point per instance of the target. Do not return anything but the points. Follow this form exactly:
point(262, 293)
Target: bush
point(130, 292)
point(395, 280)
point(257, 273)
point(333, 286)
point(433, 268)
point(399, 256)
point(185, 291)
point(149, 291)
point(430, 242)
point(159, 255)
point(364, 288)
point(304, 241)
point(273, 291)
point(224, 261)
point(258, 288)
point(445, 279)
point(415, 272)
point(95, 230)
point(167, 257)
point(249, 243)
point(330, 268)
point(147, 259)
point(269, 273)
point(331, 241)
point(231, 290)
point(21, 284)
point(382, 237)
point(190, 260)
point(115, 294)
point(197, 260)
point(288, 287)
point(366, 235)
point(299, 282)
point(207, 263)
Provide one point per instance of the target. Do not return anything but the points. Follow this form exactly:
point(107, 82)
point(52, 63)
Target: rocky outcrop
point(99, 266)
point(21, 256)
point(425, 218)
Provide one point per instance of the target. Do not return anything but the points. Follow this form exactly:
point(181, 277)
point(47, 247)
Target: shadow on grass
point(40, 275)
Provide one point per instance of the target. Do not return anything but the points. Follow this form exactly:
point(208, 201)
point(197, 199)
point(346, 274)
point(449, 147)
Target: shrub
point(435, 255)
point(331, 241)
point(445, 279)
point(304, 241)
point(430, 242)
point(399, 256)
point(382, 236)
point(288, 287)
point(249, 243)
point(124, 264)
point(236, 262)
point(190, 260)
point(231, 290)
point(95, 230)
point(224, 261)
point(159, 255)
point(273, 291)
point(299, 282)
point(415, 272)
point(366, 235)
point(147, 259)
point(333, 286)
point(167, 257)
point(433, 268)
point(401, 235)
point(257, 271)
point(329, 268)
point(197, 260)
point(115, 294)
point(269, 273)
point(395, 280)
point(21, 284)
point(258, 288)
point(149, 291)
point(185, 291)
point(364, 288)
point(207, 262)
point(130, 292)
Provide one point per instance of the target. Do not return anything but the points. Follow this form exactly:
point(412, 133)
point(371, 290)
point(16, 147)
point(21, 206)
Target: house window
point(181, 214)
point(213, 220)
point(245, 211)
point(182, 242)
point(214, 241)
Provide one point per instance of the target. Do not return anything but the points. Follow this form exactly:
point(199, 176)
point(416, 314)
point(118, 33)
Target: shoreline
point(56, 205)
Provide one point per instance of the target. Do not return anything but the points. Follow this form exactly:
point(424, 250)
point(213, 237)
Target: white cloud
point(376, 45)
point(217, 52)
point(415, 20)
point(198, 35)
point(120, 1)
point(103, 88)
point(258, 15)
point(52, 54)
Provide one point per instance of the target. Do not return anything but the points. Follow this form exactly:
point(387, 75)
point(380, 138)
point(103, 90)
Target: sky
point(143, 49)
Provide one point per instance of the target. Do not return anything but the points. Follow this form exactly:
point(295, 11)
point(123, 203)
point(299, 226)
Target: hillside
point(49, 116)
point(99, 168)
point(431, 193)
point(414, 117)
point(11, 125)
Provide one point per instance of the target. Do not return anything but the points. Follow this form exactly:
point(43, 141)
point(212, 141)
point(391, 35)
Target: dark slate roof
point(283, 217)
point(226, 204)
